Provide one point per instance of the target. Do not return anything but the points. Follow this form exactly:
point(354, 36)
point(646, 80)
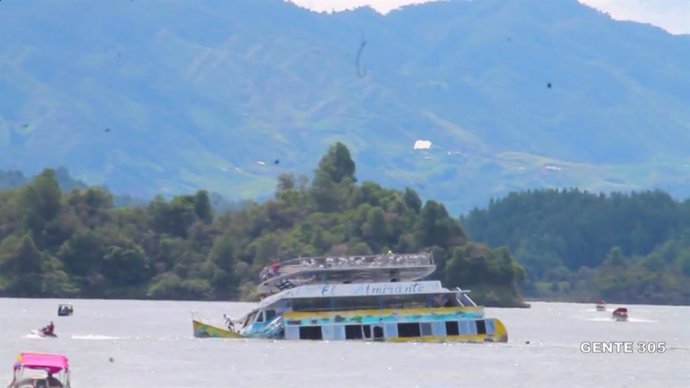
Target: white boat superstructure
point(345, 269)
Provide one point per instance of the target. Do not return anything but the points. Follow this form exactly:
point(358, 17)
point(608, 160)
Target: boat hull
point(204, 330)
point(42, 334)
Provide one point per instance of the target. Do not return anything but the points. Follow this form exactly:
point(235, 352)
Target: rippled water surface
point(151, 345)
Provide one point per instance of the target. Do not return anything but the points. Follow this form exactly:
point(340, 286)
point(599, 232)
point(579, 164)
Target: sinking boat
point(376, 298)
point(45, 370)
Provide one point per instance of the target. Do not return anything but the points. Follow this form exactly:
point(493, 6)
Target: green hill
point(159, 97)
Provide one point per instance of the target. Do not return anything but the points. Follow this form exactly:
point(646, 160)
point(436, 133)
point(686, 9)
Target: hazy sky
point(672, 15)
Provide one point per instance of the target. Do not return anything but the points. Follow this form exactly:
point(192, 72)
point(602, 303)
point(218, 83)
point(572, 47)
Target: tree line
point(573, 244)
point(77, 243)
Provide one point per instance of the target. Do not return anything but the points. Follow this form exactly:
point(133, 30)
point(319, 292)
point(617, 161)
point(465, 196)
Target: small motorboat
point(65, 310)
point(205, 330)
point(40, 370)
point(601, 306)
point(46, 331)
point(620, 314)
point(43, 333)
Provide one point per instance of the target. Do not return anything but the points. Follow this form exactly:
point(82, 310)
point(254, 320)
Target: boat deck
point(345, 269)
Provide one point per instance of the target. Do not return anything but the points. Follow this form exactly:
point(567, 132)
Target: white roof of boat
point(356, 289)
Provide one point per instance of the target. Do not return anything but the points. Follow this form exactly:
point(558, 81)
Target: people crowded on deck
point(275, 266)
point(389, 258)
point(270, 271)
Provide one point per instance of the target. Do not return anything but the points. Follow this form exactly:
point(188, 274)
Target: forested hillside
point(577, 245)
point(77, 244)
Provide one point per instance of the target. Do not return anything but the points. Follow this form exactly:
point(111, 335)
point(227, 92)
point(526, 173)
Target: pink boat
point(40, 370)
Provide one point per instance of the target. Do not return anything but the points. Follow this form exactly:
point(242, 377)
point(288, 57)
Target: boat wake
point(600, 319)
point(609, 319)
point(641, 320)
point(94, 337)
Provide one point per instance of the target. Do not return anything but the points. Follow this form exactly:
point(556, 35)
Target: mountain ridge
point(158, 97)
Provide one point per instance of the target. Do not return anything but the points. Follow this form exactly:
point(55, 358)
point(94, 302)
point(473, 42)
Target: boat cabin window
point(363, 332)
point(409, 330)
point(353, 332)
point(378, 333)
point(310, 332)
point(250, 318)
point(426, 328)
point(270, 315)
point(490, 326)
point(467, 327)
point(481, 326)
point(452, 328)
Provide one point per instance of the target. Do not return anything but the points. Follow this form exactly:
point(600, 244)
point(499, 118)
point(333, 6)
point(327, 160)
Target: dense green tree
point(40, 203)
point(125, 264)
point(174, 217)
point(202, 206)
point(619, 246)
point(412, 200)
point(337, 164)
point(374, 229)
point(79, 244)
point(82, 253)
point(222, 255)
point(334, 179)
point(286, 182)
point(22, 266)
point(615, 257)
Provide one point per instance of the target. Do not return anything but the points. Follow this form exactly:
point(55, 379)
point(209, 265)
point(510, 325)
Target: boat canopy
point(52, 363)
point(383, 268)
point(428, 287)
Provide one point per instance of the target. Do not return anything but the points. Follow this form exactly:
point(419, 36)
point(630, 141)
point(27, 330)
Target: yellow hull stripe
point(203, 330)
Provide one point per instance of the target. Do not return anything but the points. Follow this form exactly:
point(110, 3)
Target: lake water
point(151, 345)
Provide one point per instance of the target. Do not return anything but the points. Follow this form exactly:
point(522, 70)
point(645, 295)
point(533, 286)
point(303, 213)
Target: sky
point(671, 15)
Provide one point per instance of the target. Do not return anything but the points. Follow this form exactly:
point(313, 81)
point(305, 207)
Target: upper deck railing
point(347, 262)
